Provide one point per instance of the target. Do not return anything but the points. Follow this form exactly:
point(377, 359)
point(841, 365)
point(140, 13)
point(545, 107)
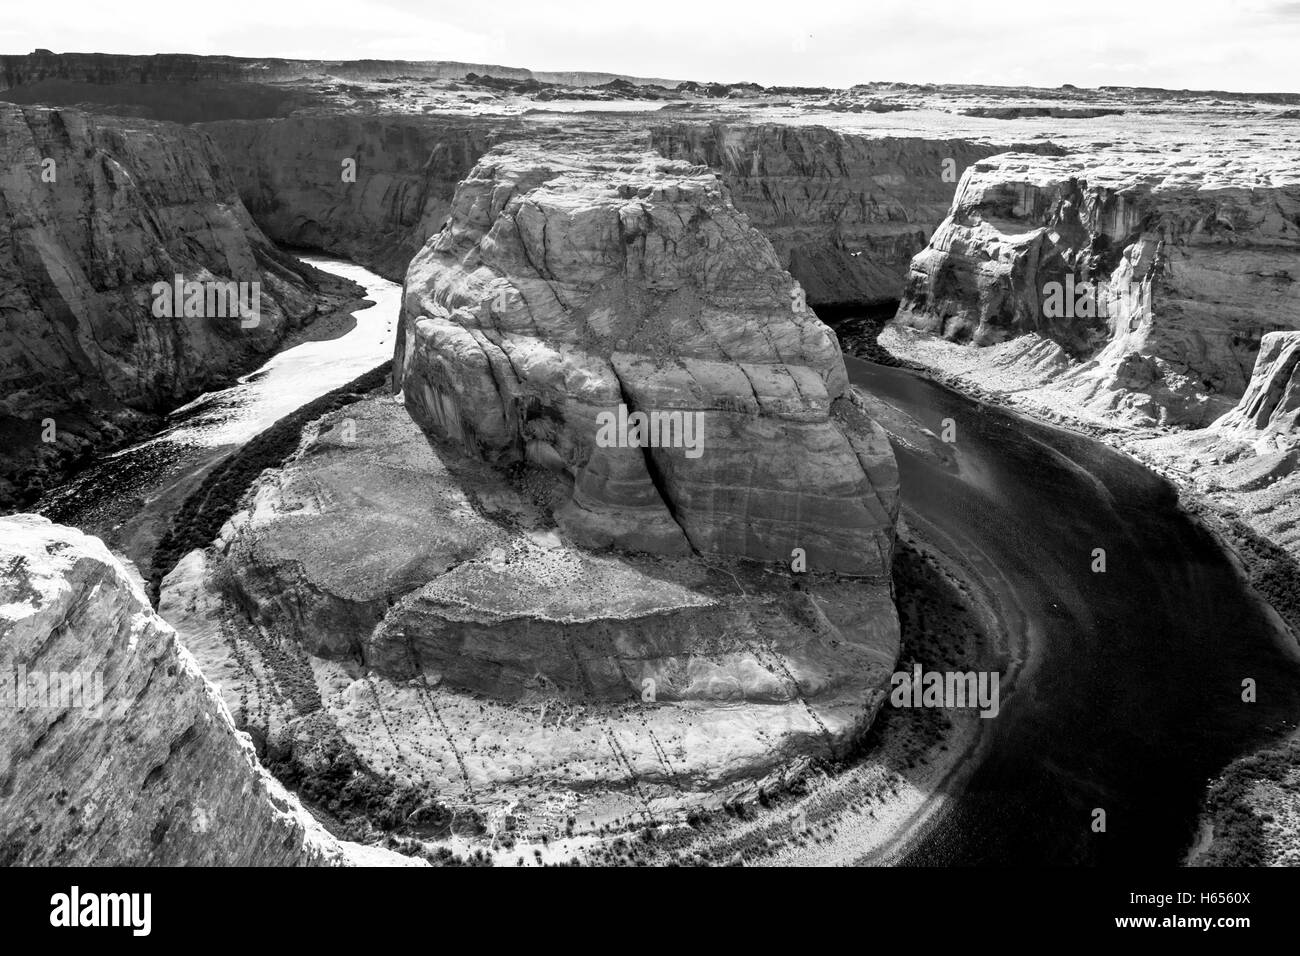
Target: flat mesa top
point(1142, 171)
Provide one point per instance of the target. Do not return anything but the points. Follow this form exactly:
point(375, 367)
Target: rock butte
point(564, 284)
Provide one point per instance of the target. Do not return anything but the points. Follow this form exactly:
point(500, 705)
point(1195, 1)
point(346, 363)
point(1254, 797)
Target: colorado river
point(297, 375)
point(127, 496)
point(1131, 697)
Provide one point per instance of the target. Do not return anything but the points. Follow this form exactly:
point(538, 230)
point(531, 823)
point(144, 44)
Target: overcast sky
point(1252, 45)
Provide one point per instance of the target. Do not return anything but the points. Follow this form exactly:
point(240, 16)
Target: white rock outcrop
point(1156, 279)
point(113, 747)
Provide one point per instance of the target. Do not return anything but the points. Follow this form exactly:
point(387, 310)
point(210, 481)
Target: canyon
point(458, 585)
point(290, 177)
point(1191, 267)
point(846, 213)
point(1177, 349)
point(95, 214)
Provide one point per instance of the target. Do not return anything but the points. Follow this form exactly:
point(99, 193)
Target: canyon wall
point(1143, 286)
point(185, 88)
point(176, 87)
point(845, 212)
point(1270, 406)
point(291, 177)
point(113, 747)
point(567, 287)
point(1247, 465)
point(93, 213)
point(182, 68)
point(18, 70)
point(1249, 460)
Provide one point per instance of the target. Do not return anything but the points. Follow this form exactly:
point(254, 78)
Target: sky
point(1250, 46)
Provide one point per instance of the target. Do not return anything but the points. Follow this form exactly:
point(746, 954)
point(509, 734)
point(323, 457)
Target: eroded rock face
point(455, 639)
point(493, 598)
point(174, 68)
point(568, 289)
point(291, 175)
point(95, 212)
point(1156, 282)
point(1248, 462)
point(187, 68)
point(845, 212)
point(115, 749)
point(1271, 403)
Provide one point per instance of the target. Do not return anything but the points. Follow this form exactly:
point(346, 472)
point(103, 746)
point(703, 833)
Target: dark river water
point(1130, 698)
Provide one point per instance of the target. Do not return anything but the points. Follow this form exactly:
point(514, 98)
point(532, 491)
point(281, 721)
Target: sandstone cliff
point(290, 176)
point(1247, 464)
point(113, 747)
point(565, 288)
point(1144, 286)
point(179, 68)
point(94, 213)
point(1270, 406)
point(845, 212)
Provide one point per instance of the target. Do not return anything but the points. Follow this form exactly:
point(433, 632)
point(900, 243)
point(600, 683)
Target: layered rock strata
point(1270, 406)
point(95, 213)
point(1248, 461)
point(370, 189)
point(457, 640)
point(1146, 286)
point(846, 212)
point(113, 747)
point(570, 292)
point(492, 597)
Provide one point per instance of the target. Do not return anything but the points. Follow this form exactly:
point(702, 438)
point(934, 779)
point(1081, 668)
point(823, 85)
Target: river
point(1131, 695)
point(127, 497)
